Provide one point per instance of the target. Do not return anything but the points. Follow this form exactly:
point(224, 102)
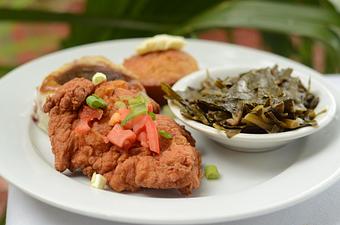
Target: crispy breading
point(153, 68)
point(176, 167)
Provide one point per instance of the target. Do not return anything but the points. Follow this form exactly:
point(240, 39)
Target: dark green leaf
point(3, 218)
point(309, 21)
point(4, 70)
point(279, 43)
point(270, 99)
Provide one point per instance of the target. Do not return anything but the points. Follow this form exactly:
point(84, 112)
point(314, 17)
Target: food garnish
point(165, 134)
point(152, 135)
point(123, 138)
point(138, 106)
point(211, 172)
point(120, 105)
point(98, 181)
point(152, 115)
point(85, 117)
point(266, 100)
point(136, 122)
point(160, 42)
point(98, 78)
point(95, 102)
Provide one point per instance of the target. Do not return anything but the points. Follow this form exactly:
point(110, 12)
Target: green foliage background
point(2, 219)
point(311, 20)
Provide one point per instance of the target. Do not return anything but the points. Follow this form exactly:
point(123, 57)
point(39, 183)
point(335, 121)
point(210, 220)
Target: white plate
point(251, 184)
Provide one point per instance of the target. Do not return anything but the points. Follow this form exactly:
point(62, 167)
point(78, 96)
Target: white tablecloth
point(323, 209)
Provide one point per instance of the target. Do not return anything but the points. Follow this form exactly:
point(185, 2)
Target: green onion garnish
point(136, 110)
point(152, 115)
point(211, 172)
point(165, 134)
point(98, 78)
point(140, 99)
point(137, 106)
point(95, 102)
point(120, 105)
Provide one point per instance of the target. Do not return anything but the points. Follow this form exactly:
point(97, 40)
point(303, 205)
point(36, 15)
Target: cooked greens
point(266, 100)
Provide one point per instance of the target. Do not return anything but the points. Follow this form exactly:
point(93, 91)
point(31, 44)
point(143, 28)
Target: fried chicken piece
point(176, 167)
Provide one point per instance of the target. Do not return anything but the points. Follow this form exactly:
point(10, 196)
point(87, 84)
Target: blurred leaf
point(3, 218)
point(305, 50)
point(336, 4)
point(281, 17)
point(16, 3)
point(279, 43)
point(81, 19)
point(4, 70)
point(309, 21)
point(106, 19)
point(173, 13)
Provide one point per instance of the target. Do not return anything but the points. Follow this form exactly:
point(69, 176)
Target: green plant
point(311, 20)
point(3, 219)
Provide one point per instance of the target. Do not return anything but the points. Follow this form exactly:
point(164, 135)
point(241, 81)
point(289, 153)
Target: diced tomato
point(139, 123)
point(142, 138)
point(86, 115)
point(123, 113)
point(121, 138)
point(135, 122)
point(89, 114)
point(82, 127)
point(152, 135)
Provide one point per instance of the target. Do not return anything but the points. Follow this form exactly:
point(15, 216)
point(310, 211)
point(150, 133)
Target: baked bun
point(160, 59)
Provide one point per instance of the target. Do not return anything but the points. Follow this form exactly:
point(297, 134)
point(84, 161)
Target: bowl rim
point(287, 135)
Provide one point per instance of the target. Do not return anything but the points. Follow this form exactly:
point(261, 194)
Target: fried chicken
point(177, 166)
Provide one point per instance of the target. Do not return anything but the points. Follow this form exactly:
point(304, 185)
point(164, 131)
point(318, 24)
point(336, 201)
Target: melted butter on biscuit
point(160, 42)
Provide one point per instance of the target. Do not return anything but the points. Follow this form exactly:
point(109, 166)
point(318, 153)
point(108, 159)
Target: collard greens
point(265, 100)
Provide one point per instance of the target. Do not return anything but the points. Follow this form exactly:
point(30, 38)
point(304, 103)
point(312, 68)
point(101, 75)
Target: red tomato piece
point(86, 115)
point(142, 138)
point(121, 138)
point(152, 135)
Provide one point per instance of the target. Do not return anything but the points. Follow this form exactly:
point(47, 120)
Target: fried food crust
point(153, 68)
point(176, 167)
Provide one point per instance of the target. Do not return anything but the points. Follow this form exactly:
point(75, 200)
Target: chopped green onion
point(138, 106)
point(98, 78)
point(98, 181)
point(140, 99)
point(95, 102)
point(136, 100)
point(211, 172)
point(165, 134)
point(125, 97)
point(120, 105)
point(137, 110)
point(152, 115)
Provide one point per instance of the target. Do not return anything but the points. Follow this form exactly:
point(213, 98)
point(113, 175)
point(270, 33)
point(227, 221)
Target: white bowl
point(257, 142)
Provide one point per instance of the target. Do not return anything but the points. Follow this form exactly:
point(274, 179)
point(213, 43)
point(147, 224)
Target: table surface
point(323, 209)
